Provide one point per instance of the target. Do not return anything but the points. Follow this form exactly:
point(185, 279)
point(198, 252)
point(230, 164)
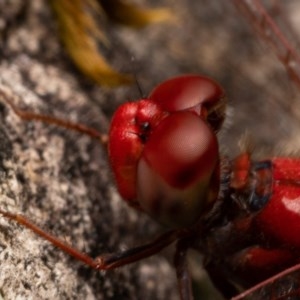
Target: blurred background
point(61, 179)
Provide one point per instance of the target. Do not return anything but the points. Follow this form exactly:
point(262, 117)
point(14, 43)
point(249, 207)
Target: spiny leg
point(270, 285)
point(106, 261)
point(29, 116)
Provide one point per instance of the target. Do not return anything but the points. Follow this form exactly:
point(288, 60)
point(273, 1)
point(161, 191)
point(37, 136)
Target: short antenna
point(142, 94)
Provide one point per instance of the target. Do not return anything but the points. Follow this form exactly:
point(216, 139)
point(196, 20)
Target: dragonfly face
point(164, 151)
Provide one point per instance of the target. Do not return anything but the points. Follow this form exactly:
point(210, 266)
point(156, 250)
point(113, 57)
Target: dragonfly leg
point(106, 261)
point(29, 116)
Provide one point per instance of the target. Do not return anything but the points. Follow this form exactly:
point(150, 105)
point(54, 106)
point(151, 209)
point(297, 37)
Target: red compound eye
point(192, 92)
point(175, 169)
point(130, 127)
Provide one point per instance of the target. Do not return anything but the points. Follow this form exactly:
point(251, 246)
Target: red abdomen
point(279, 220)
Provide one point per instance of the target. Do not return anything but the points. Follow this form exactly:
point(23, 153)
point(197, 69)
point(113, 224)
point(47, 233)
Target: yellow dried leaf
point(80, 32)
point(132, 15)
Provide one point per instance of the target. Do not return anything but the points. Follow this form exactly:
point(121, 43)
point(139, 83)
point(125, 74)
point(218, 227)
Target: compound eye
point(192, 92)
point(130, 129)
point(175, 170)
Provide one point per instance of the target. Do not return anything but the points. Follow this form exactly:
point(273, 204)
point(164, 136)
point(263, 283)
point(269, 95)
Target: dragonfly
point(295, 270)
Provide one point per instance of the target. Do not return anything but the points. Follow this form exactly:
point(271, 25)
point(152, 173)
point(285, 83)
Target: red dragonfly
point(235, 206)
